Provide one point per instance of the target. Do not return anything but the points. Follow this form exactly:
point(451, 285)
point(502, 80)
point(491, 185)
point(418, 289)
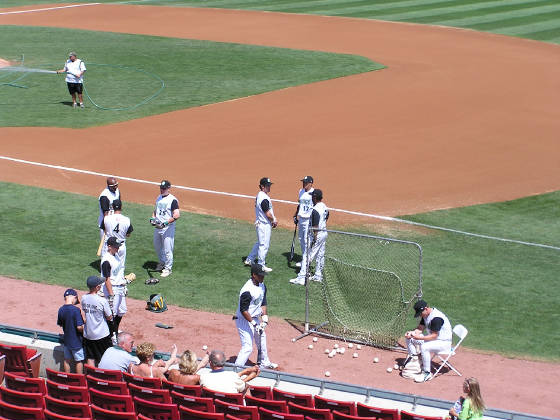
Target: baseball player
point(318, 221)
point(303, 213)
point(252, 306)
point(265, 221)
point(119, 226)
point(74, 69)
point(166, 213)
point(106, 198)
point(438, 337)
point(114, 288)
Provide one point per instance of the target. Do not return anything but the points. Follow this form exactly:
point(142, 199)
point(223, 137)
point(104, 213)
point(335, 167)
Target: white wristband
point(253, 323)
point(264, 318)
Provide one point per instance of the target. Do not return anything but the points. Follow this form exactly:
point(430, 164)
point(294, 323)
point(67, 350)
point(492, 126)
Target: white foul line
point(355, 213)
point(47, 8)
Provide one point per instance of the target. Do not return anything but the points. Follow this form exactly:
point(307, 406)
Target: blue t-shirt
point(69, 317)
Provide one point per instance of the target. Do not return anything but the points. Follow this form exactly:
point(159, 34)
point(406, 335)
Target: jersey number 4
point(116, 230)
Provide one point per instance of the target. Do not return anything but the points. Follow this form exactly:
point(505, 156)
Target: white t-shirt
point(72, 68)
point(260, 214)
point(222, 381)
point(305, 204)
point(116, 358)
point(95, 309)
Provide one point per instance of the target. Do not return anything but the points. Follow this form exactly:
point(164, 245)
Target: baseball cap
point(94, 281)
point(258, 270)
point(72, 292)
point(72, 53)
point(165, 184)
point(117, 204)
point(307, 179)
point(264, 182)
point(112, 241)
point(316, 193)
point(419, 307)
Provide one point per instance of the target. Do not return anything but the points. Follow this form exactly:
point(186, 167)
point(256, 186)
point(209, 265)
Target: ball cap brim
point(419, 307)
point(258, 270)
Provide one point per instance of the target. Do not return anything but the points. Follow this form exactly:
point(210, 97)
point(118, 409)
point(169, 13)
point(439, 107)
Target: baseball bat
point(101, 245)
point(293, 245)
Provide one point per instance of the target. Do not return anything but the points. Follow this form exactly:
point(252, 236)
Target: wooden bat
point(293, 244)
point(101, 245)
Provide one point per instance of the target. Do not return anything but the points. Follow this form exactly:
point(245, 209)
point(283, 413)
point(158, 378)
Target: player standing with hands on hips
point(163, 219)
point(265, 221)
point(303, 213)
point(74, 69)
point(252, 305)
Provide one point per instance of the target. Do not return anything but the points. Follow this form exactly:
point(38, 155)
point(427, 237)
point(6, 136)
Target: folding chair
point(195, 390)
point(276, 415)
point(21, 361)
point(273, 405)
point(234, 398)
point(313, 413)
point(189, 414)
point(245, 412)
point(150, 394)
point(346, 407)
point(405, 415)
point(68, 408)
point(461, 332)
point(74, 379)
point(99, 413)
point(106, 374)
point(23, 384)
point(194, 403)
point(110, 387)
point(142, 381)
point(22, 399)
point(111, 402)
point(67, 392)
point(155, 410)
point(14, 412)
point(380, 413)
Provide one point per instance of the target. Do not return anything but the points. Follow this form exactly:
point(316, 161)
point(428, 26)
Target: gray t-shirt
point(116, 358)
point(95, 309)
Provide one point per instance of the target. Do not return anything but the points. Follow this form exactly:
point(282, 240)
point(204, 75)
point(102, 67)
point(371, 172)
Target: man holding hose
point(74, 69)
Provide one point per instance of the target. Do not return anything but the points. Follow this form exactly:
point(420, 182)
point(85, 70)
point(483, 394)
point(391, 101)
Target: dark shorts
point(75, 88)
point(94, 349)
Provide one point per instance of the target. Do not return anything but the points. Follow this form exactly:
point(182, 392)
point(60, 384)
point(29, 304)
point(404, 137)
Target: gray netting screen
point(369, 286)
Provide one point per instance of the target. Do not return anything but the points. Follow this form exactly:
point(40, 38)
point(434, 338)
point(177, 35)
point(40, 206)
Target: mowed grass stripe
point(552, 16)
point(340, 7)
point(550, 35)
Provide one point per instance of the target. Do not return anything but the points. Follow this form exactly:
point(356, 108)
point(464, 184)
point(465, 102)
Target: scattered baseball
point(342, 350)
point(359, 347)
point(315, 339)
point(376, 360)
point(310, 347)
point(396, 366)
point(335, 346)
point(389, 370)
point(332, 353)
point(205, 347)
point(355, 355)
point(350, 345)
point(293, 340)
point(327, 373)
point(327, 351)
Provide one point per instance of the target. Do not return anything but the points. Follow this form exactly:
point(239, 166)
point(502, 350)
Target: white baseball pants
point(164, 242)
point(316, 253)
point(260, 248)
point(247, 335)
point(303, 232)
point(119, 301)
point(426, 350)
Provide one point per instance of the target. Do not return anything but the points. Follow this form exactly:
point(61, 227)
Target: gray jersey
point(95, 309)
point(260, 214)
point(305, 203)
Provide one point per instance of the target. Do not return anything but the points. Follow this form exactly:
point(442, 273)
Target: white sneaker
point(82, 105)
point(248, 262)
point(165, 272)
point(266, 269)
point(317, 278)
point(423, 377)
point(74, 105)
point(298, 280)
point(268, 365)
point(114, 340)
point(298, 264)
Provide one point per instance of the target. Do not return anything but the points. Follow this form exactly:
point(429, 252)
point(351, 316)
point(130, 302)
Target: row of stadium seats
point(19, 360)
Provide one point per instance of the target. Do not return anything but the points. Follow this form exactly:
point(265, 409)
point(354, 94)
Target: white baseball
point(376, 360)
point(327, 373)
point(342, 350)
point(205, 347)
point(310, 347)
point(335, 346)
point(389, 370)
point(327, 351)
point(359, 347)
point(315, 339)
point(355, 355)
point(332, 353)
point(396, 367)
point(293, 340)
point(350, 345)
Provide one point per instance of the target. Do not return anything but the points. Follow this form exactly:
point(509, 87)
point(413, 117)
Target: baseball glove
point(130, 277)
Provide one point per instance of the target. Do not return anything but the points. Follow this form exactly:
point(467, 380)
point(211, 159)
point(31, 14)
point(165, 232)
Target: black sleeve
point(244, 301)
point(104, 202)
point(327, 216)
point(102, 225)
point(265, 205)
point(436, 324)
point(130, 229)
point(106, 269)
point(422, 322)
point(264, 297)
point(174, 205)
point(315, 218)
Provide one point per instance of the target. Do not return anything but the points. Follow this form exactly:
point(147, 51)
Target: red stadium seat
point(74, 379)
point(245, 412)
point(300, 399)
point(2, 367)
point(23, 384)
point(111, 402)
point(380, 413)
point(273, 405)
point(68, 408)
point(142, 417)
point(22, 399)
point(407, 415)
point(106, 374)
point(151, 394)
point(235, 398)
point(67, 392)
point(276, 415)
point(21, 361)
point(102, 414)
point(49, 415)
point(263, 392)
point(188, 414)
point(195, 390)
point(110, 387)
point(142, 381)
point(346, 407)
point(194, 403)
point(155, 410)
point(312, 413)
point(337, 415)
point(230, 417)
point(13, 412)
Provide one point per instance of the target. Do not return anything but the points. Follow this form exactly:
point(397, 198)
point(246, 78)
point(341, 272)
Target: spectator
point(228, 381)
point(473, 404)
point(119, 357)
point(148, 367)
point(96, 331)
point(188, 368)
point(72, 323)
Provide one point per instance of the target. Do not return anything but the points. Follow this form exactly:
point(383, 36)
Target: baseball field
point(446, 127)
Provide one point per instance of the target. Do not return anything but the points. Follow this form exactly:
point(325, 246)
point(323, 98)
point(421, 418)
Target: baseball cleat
point(298, 280)
point(423, 377)
point(317, 278)
point(266, 269)
point(74, 105)
point(82, 105)
point(165, 272)
point(248, 262)
point(269, 365)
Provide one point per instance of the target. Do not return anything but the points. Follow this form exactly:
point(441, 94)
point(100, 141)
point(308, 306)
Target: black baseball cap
point(112, 241)
point(419, 307)
point(72, 292)
point(258, 270)
point(318, 194)
point(264, 182)
point(94, 281)
point(117, 204)
point(165, 184)
point(307, 179)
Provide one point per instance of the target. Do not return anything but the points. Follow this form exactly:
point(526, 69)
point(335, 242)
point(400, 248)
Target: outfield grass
point(122, 70)
point(506, 294)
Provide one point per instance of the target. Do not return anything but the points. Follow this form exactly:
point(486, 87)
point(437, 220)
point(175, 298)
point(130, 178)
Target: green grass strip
point(506, 294)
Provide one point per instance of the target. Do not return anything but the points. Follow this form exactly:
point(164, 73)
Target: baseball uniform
point(318, 221)
point(164, 238)
point(106, 199)
point(113, 267)
point(119, 226)
point(304, 214)
point(263, 225)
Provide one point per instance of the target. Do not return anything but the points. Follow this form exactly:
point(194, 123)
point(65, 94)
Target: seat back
point(246, 412)
point(21, 399)
point(2, 367)
point(406, 415)
point(150, 394)
point(74, 379)
point(267, 414)
point(337, 415)
point(273, 405)
point(300, 399)
point(14, 412)
point(155, 410)
point(195, 390)
point(380, 413)
point(68, 408)
point(192, 402)
point(346, 407)
point(106, 374)
point(142, 381)
point(263, 392)
point(21, 360)
point(190, 414)
point(460, 331)
point(99, 413)
point(23, 384)
point(67, 392)
point(110, 387)
point(112, 402)
point(313, 413)
point(50, 415)
point(235, 398)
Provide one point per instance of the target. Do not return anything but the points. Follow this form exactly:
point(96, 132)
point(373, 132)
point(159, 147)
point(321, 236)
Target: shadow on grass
point(96, 265)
